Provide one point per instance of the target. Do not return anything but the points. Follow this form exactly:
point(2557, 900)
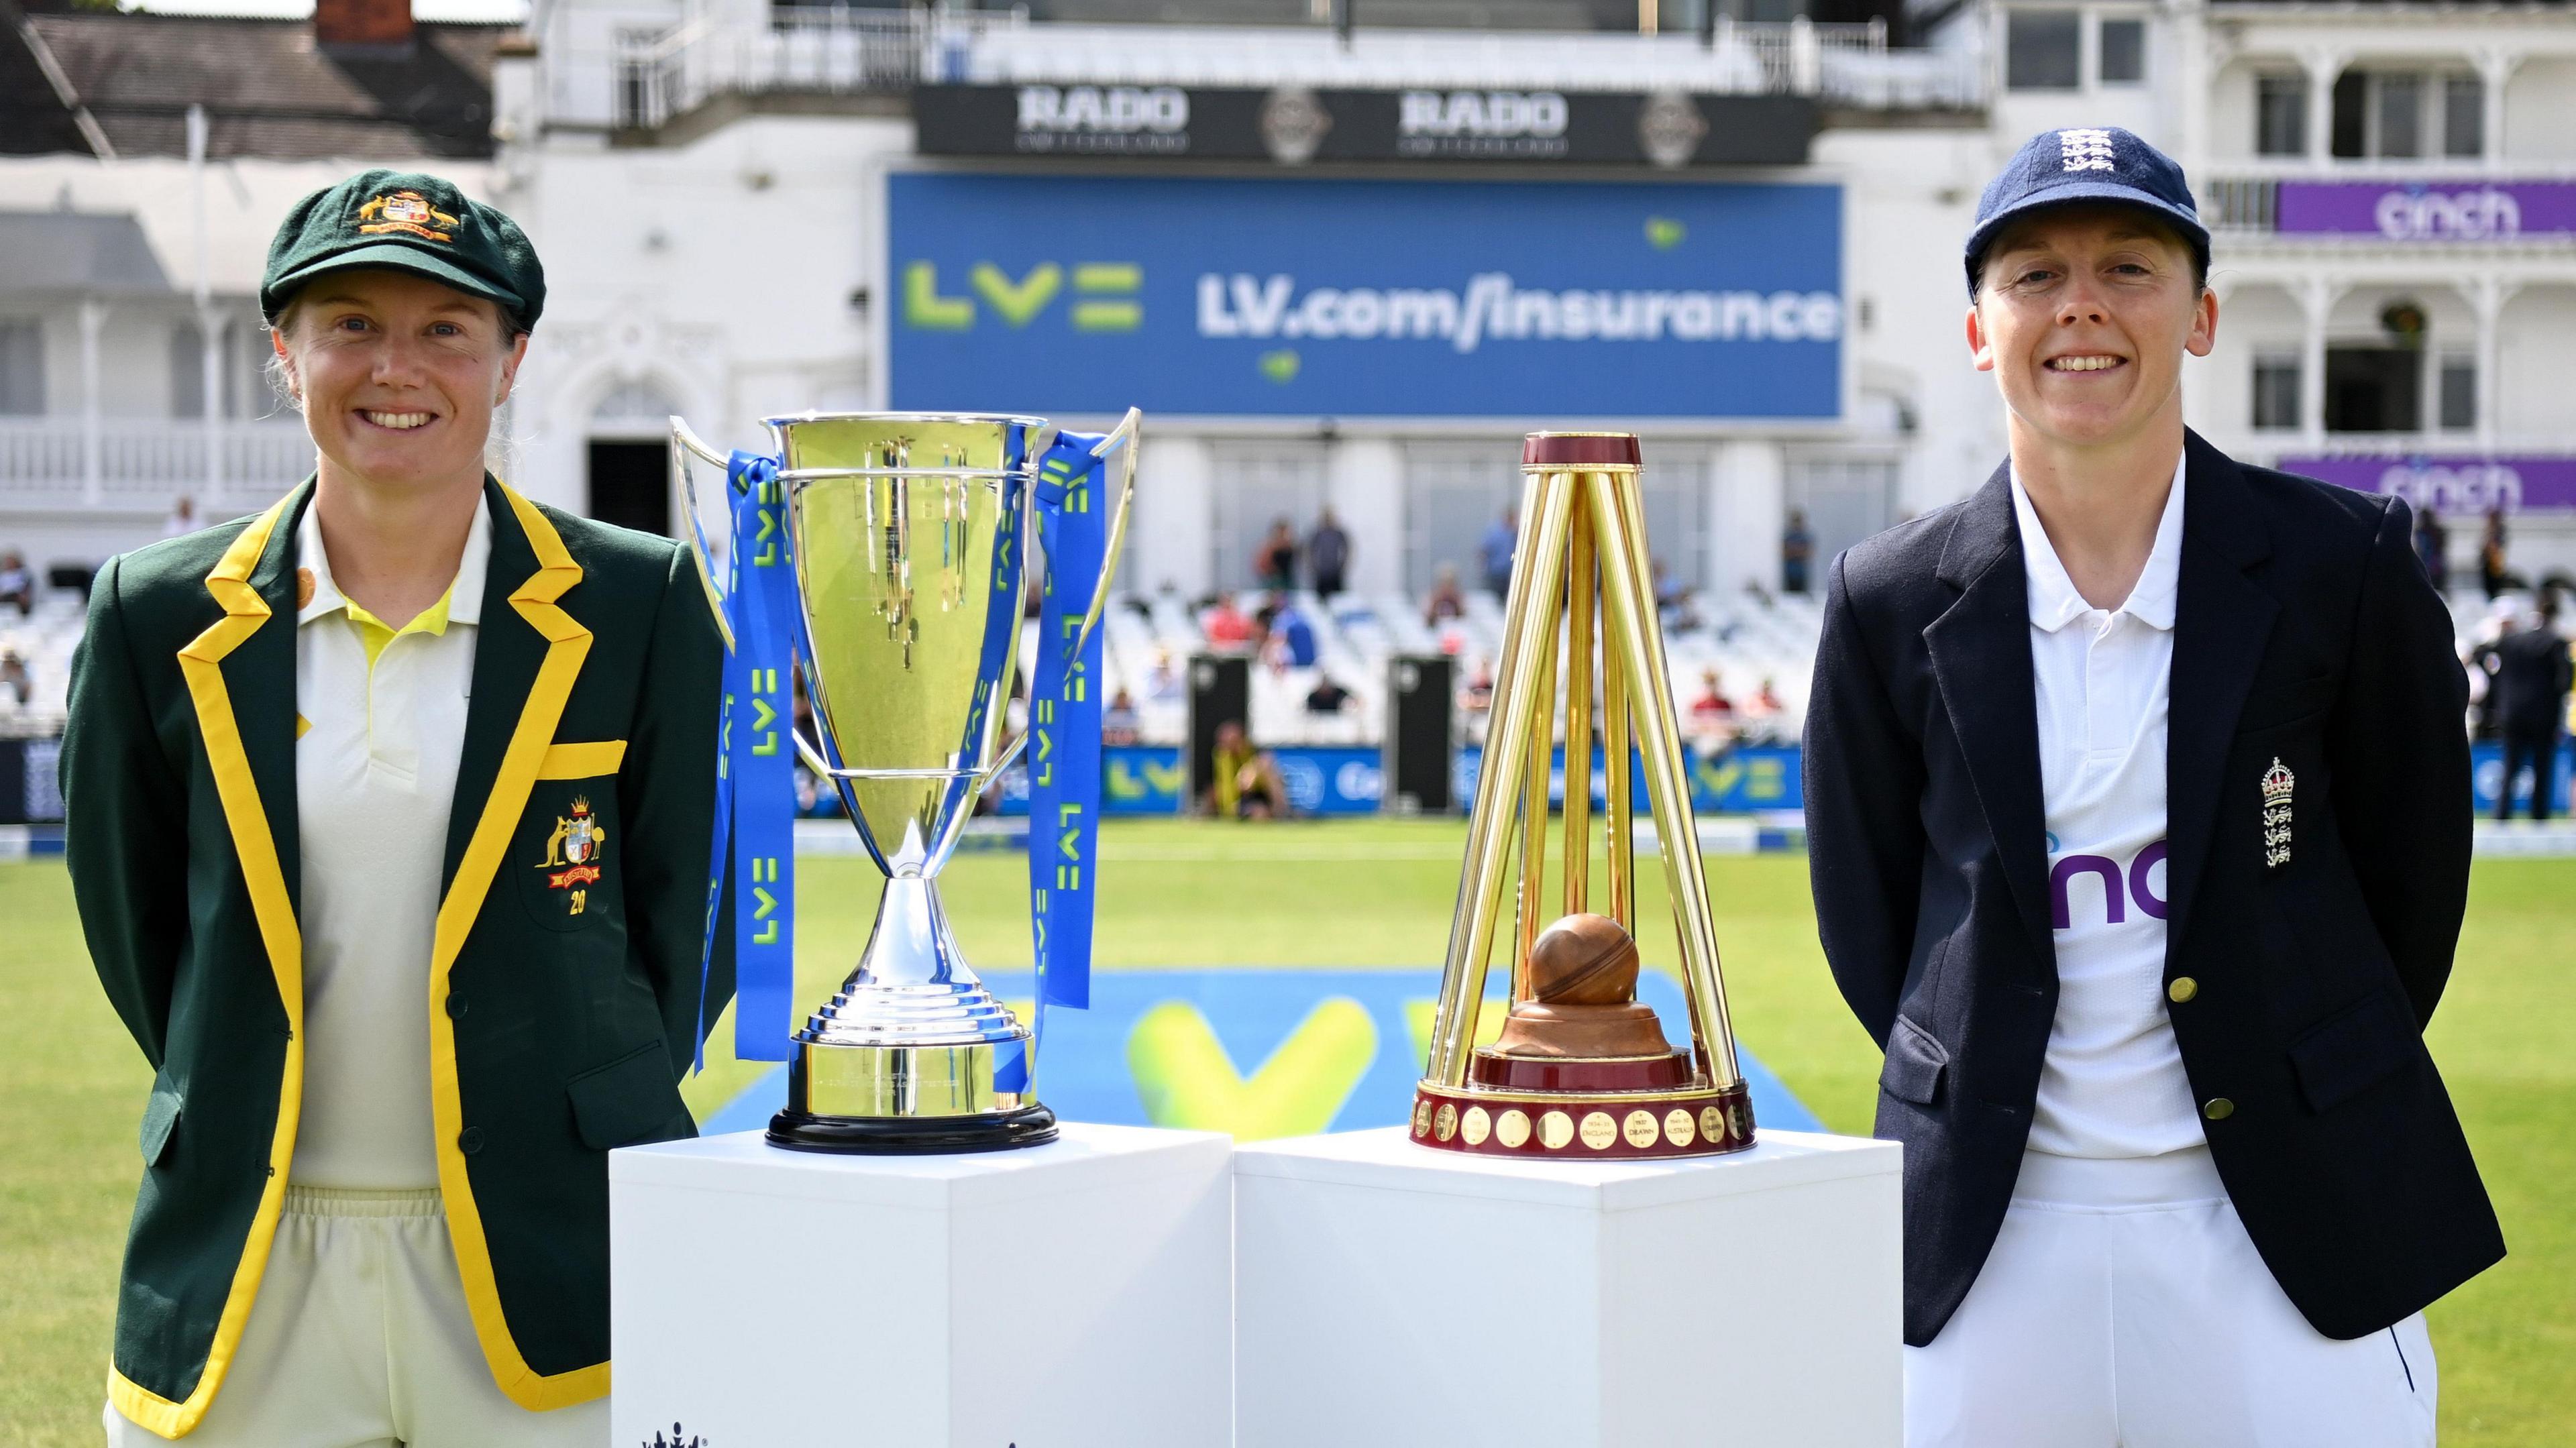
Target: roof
point(269, 90)
point(79, 252)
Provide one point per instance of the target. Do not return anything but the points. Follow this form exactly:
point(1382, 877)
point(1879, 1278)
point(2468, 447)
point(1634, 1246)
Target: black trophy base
point(912, 1135)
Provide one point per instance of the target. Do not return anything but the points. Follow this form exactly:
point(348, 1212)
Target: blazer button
point(456, 1005)
point(2182, 989)
point(470, 1140)
point(2218, 1108)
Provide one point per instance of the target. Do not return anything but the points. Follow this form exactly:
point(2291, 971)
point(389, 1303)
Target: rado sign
point(1294, 126)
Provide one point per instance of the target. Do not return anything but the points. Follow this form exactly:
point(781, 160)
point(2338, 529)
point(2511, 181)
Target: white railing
point(853, 52)
point(147, 463)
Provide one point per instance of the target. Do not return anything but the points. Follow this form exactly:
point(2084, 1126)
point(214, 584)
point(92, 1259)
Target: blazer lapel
point(240, 674)
point(1980, 650)
point(2222, 623)
point(526, 656)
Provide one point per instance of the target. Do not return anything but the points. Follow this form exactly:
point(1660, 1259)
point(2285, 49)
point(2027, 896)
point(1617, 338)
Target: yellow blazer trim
point(582, 761)
point(200, 663)
point(531, 744)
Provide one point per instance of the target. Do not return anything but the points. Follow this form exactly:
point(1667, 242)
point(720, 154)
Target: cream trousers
point(2124, 1307)
point(360, 1339)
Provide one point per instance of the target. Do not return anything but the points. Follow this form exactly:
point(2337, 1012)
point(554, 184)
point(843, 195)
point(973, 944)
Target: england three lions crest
point(2278, 784)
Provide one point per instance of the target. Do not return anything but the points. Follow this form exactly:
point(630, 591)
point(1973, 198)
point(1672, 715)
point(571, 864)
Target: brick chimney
point(362, 22)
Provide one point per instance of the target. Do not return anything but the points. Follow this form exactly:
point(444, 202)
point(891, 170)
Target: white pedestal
point(1389, 1296)
point(1073, 1295)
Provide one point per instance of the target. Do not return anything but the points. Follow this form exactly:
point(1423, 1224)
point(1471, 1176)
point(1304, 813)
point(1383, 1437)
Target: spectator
point(2491, 555)
point(1274, 563)
point(13, 677)
point(17, 585)
point(1446, 600)
point(1797, 551)
point(1327, 697)
point(182, 519)
point(1500, 542)
point(1477, 696)
point(2533, 673)
point(1292, 637)
point(1245, 784)
point(2432, 545)
point(1118, 721)
point(1765, 703)
point(1162, 681)
point(1226, 627)
point(1712, 703)
point(1673, 600)
point(1328, 555)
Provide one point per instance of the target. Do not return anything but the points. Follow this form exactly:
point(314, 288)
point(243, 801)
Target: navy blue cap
point(2099, 164)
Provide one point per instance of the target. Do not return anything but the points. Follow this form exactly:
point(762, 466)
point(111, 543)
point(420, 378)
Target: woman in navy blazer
point(2309, 887)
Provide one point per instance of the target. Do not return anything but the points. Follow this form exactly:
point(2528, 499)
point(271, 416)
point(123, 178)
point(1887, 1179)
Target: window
point(22, 368)
point(2124, 52)
point(2374, 389)
point(2464, 112)
point(2459, 393)
point(2276, 393)
point(2042, 49)
point(2281, 115)
point(2398, 109)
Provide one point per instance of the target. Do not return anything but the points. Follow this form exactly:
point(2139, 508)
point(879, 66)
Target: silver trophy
point(910, 536)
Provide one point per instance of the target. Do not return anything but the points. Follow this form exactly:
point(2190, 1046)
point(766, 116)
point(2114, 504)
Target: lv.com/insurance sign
point(1057, 295)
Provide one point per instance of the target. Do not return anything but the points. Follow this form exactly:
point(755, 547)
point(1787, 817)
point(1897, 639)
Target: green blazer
point(555, 1033)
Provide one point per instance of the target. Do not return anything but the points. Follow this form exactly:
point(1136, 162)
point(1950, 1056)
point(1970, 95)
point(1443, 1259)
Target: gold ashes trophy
point(1581, 1068)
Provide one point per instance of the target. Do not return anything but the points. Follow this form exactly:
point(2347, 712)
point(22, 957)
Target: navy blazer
point(2304, 631)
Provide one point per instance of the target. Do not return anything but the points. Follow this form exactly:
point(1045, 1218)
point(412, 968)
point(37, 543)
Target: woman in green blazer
point(389, 823)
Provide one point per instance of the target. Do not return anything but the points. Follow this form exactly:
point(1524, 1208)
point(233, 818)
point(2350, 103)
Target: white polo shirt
point(381, 722)
point(2113, 1083)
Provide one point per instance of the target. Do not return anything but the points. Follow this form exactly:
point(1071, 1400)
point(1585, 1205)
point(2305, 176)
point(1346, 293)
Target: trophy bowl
point(909, 537)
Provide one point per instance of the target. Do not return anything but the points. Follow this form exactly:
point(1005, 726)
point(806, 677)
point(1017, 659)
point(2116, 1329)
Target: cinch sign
point(1227, 297)
point(2451, 484)
point(2428, 211)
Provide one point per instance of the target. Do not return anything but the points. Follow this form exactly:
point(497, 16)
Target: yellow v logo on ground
point(1017, 301)
point(1187, 1079)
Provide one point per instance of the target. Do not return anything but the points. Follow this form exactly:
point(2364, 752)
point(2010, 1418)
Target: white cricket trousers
point(360, 1339)
point(2124, 1307)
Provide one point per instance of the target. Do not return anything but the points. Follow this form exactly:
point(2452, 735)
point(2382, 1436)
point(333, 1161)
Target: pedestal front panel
point(1072, 1295)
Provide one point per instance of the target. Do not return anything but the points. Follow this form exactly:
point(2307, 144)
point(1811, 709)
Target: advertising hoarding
point(1062, 295)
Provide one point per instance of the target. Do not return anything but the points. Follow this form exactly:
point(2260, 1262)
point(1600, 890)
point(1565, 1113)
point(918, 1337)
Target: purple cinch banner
point(2463, 210)
point(2451, 484)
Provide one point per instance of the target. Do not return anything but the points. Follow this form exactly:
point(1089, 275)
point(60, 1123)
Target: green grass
point(1376, 893)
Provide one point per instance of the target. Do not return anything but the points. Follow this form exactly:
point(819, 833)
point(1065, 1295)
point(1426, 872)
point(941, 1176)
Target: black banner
point(1294, 126)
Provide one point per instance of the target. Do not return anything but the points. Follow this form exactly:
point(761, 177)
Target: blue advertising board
point(1061, 295)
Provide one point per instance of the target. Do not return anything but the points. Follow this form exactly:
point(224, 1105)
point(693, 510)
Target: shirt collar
point(463, 602)
point(2054, 601)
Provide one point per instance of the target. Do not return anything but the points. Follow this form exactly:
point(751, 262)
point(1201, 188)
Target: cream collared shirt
point(2112, 1084)
point(380, 725)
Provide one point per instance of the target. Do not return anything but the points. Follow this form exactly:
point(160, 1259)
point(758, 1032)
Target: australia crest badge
point(573, 852)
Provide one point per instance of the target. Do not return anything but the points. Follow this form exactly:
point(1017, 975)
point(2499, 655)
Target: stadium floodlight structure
point(1580, 1069)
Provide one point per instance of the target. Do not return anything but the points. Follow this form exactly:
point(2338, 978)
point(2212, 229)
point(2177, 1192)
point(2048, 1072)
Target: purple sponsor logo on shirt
point(2451, 484)
point(2427, 210)
point(2119, 887)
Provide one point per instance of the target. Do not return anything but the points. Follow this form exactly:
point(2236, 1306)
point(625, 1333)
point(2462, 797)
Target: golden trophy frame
point(1582, 566)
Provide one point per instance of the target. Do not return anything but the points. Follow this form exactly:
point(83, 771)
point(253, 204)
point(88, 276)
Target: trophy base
point(1581, 1125)
point(795, 1130)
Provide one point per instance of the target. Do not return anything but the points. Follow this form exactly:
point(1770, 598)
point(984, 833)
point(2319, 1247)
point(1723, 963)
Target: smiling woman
point(407, 910)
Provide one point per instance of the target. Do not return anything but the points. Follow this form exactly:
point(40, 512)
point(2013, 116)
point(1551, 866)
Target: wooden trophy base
point(1580, 1125)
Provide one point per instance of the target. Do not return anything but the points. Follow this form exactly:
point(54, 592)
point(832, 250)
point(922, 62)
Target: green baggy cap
point(405, 221)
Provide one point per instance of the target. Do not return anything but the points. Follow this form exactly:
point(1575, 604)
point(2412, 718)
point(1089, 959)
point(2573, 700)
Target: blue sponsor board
point(1741, 780)
point(1257, 1052)
point(1062, 295)
point(2486, 778)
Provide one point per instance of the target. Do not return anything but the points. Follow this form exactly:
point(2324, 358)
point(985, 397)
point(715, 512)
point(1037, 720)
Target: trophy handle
point(1125, 432)
point(685, 444)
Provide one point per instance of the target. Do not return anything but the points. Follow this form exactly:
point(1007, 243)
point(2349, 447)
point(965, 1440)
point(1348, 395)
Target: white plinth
point(1073, 1295)
point(1390, 1296)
